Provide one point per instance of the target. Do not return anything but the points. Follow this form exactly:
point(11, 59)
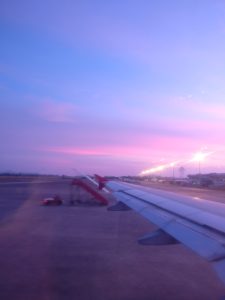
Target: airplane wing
point(198, 224)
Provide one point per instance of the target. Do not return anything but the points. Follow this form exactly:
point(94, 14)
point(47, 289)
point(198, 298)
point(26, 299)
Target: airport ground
point(206, 193)
point(85, 252)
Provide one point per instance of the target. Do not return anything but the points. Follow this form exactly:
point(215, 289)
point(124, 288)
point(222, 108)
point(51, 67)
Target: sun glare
point(158, 168)
point(197, 157)
point(200, 156)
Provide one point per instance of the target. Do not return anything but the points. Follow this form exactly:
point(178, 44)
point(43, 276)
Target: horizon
point(112, 88)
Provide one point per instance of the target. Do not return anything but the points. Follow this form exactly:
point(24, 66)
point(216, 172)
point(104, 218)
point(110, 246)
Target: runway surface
point(87, 252)
point(194, 192)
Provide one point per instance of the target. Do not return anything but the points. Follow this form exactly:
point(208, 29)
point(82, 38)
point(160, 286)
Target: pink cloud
point(149, 149)
point(113, 151)
point(134, 159)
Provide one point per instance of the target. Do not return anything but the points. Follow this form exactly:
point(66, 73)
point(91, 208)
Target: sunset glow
point(115, 88)
point(197, 157)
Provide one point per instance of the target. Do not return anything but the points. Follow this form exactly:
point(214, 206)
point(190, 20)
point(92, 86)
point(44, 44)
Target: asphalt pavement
point(86, 252)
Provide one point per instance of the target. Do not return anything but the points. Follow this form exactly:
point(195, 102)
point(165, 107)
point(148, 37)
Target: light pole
point(172, 165)
point(198, 157)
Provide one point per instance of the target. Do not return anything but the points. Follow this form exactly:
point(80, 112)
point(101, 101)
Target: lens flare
point(197, 157)
point(200, 156)
point(159, 168)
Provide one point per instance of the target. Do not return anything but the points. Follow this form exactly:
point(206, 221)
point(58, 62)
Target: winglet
point(101, 181)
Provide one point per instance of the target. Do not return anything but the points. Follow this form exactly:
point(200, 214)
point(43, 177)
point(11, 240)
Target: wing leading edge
point(198, 225)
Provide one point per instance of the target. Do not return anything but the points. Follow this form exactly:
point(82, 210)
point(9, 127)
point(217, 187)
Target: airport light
point(199, 157)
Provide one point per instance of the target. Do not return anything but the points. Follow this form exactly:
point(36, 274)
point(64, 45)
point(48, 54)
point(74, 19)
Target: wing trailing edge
point(199, 226)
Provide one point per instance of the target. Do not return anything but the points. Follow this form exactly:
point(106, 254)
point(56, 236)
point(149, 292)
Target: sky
point(111, 87)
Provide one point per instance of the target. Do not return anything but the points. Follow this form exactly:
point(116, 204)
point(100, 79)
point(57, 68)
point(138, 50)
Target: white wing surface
point(198, 224)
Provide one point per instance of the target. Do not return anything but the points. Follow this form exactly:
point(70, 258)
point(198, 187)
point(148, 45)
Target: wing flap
point(189, 226)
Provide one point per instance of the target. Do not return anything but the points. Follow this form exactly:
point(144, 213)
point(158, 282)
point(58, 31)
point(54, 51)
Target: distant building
point(211, 179)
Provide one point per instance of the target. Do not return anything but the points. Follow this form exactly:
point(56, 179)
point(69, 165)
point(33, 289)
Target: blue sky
point(112, 87)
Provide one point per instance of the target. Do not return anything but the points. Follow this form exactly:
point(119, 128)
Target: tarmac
point(85, 252)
